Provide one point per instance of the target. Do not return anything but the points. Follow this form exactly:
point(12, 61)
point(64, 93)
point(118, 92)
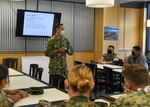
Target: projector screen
point(33, 23)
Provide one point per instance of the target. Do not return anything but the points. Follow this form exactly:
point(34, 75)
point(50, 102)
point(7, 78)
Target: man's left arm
point(142, 60)
point(69, 48)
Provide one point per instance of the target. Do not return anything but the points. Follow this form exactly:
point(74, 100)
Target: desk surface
point(117, 70)
point(100, 66)
point(13, 72)
point(20, 82)
point(51, 95)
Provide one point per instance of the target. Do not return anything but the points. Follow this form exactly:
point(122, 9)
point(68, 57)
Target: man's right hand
point(62, 50)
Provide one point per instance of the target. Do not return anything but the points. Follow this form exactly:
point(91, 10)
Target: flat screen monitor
point(36, 23)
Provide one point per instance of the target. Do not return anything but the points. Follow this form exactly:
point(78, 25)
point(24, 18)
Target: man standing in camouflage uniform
point(137, 87)
point(56, 49)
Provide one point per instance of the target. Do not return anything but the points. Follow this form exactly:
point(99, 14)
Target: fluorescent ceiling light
point(99, 3)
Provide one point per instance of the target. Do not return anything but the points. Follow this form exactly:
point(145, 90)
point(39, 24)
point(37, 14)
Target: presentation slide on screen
point(38, 24)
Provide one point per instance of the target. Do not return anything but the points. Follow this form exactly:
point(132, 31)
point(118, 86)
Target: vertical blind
point(78, 21)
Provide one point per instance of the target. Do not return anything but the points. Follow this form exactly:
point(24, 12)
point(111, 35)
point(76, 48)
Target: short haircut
point(111, 46)
point(136, 73)
point(137, 48)
point(57, 25)
point(3, 72)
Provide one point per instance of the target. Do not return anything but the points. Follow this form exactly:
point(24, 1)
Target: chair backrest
point(33, 69)
point(11, 62)
point(57, 80)
point(77, 62)
point(92, 67)
point(108, 75)
point(38, 73)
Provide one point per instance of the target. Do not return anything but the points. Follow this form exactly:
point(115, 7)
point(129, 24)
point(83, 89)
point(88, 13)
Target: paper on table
point(51, 95)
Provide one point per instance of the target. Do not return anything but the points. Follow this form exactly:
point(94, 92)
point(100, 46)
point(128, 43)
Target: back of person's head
point(137, 48)
point(136, 73)
point(81, 79)
point(111, 46)
point(3, 72)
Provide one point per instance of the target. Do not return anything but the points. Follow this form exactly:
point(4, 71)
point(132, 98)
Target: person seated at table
point(8, 97)
point(136, 57)
point(136, 84)
point(108, 57)
point(78, 84)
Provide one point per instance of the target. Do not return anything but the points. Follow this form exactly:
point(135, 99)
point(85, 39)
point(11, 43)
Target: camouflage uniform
point(134, 99)
point(78, 101)
point(57, 59)
point(5, 101)
point(108, 57)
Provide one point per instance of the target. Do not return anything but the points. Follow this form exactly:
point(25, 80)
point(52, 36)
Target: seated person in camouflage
point(108, 57)
point(57, 48)
point(8, 97)
point(137, 87)
point(78, 84)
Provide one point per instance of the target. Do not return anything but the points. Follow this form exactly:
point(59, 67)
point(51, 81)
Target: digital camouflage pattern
point(107, 57)
point(4, 100)
point(58, 60)
point(135, 99)
point(78, 101)
point(81, 101)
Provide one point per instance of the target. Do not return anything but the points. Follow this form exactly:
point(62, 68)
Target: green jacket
point(78, 101)
point(81, 101)
point(57, 59)
point(5, 101)
point(135, 99)
point(108, 57)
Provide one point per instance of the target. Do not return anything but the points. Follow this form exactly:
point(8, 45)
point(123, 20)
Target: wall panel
point(37, 43)
point(84, 28)
point(8, 41)
point(128, 20)
point(67, 10)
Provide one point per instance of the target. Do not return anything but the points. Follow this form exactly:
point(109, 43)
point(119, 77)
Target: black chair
point(38, 73)
point(57, 80)
point(93, 69)
point(33, 69)
point(93, 62)
point(99, 82)
point(77, 63)
point(11, 62)
point(113, 83)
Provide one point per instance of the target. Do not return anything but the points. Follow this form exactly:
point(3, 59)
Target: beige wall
point(131, 23)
